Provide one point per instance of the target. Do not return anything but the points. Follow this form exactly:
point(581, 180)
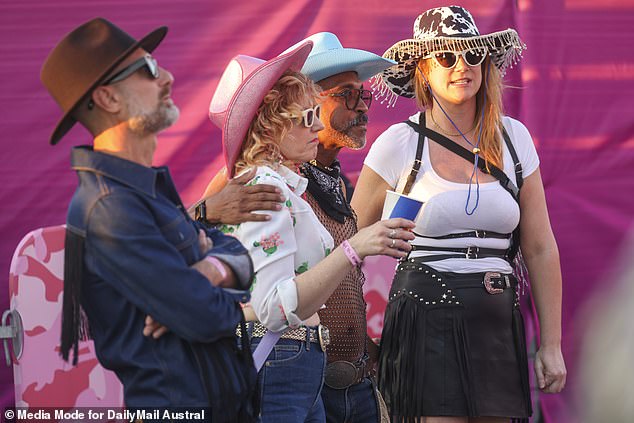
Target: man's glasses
point(448, 59)
point(148, 62)
point(307, 115)
point(352, 97)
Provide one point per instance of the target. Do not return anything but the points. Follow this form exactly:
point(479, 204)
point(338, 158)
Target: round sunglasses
point(307, 115)
point(352, 97)
point(448, 59)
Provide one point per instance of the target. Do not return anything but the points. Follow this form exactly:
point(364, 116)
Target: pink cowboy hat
point(242, 86)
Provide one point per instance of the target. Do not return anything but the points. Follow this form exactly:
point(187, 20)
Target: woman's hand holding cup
point(387, 237)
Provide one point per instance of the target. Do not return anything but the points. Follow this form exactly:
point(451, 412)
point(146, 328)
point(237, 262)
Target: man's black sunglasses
point(148, 62)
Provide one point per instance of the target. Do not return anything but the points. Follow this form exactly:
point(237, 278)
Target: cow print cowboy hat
point(441, 29)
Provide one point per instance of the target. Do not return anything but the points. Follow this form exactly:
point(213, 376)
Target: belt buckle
point(340, 374)
point(324, 336)
point(487, 283)
point(472, 252)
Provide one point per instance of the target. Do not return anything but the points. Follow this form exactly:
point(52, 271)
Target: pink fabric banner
point(572, 90)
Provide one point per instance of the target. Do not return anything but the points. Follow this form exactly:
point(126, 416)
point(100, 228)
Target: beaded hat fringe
point(504, 47)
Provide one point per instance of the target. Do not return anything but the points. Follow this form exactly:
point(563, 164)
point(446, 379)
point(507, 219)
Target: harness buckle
point(416, 166)
point(472, 252)
point(480, 234)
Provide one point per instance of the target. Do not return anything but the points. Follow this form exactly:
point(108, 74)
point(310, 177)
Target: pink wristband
point(218, 265)
point(350, 253)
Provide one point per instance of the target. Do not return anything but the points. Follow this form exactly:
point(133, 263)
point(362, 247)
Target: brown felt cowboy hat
point(83, 59)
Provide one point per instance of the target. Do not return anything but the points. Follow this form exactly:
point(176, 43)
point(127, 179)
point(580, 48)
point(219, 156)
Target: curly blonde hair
point(289, 95)
point(491, 142)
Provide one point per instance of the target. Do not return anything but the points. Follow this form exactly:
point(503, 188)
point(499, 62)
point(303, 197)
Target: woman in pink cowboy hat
point(269, 116)
point(453, 347)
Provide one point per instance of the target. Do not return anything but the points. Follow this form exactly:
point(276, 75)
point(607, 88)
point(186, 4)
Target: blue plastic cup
point(403, 206)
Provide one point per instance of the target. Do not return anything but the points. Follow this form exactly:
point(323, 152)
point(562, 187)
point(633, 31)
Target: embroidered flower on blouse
point(269, 244)
point(228, 229)
point(253, 181)
point(289, 205)
point(302, 268)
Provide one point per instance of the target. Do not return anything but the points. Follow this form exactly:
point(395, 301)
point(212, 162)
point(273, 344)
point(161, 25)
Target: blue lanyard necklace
point(476, 149)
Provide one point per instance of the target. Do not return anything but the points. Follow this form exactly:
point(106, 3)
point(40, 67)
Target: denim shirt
point(139, 246)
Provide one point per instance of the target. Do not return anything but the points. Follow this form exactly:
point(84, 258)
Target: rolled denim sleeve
point(241, 264)
point(144, 262)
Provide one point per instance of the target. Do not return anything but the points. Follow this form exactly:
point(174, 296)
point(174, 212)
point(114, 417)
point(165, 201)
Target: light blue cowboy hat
point(329, 58)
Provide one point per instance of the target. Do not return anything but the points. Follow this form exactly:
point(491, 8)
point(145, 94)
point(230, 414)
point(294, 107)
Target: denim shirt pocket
point(182, 234)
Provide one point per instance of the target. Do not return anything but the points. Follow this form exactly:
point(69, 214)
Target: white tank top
point(443, 212)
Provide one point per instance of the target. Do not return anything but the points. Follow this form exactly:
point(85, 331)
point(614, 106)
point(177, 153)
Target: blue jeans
point(355, 404)
point(290, 383)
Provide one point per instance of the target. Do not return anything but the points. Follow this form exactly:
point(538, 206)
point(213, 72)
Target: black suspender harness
point(505, 182)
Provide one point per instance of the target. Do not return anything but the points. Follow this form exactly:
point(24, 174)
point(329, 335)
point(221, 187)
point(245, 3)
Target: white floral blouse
point(290, 243)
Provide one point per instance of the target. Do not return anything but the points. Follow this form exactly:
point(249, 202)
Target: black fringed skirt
point(453, 345)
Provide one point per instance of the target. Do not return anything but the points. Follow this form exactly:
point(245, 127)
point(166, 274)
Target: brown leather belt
point(343, 374)
point(319, 335)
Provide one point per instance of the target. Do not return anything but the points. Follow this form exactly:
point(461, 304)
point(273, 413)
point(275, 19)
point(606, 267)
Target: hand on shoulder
point(241, 196)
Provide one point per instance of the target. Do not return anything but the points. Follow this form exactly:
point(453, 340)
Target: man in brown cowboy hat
point(131, 249)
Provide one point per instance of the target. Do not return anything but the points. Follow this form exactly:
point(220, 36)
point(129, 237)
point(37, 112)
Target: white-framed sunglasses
point(448, 59)
point(307, 115)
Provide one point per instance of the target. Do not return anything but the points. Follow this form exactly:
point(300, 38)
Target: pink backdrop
point(573, 90)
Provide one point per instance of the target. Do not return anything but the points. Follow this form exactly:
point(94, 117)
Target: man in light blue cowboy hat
point(349, 392)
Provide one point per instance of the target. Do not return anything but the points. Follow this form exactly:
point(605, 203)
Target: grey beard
point(342, 137)
point(359, 119)
point(153, 123)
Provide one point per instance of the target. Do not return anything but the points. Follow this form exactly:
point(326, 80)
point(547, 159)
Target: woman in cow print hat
point(444, 29)
point(453, 345)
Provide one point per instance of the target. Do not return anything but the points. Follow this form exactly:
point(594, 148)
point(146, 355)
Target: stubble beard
point(154, 122)
point(342, 135)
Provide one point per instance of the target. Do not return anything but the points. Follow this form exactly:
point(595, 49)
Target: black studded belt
point(430, 287)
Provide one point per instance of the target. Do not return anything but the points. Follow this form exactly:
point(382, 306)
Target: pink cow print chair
point(42, 378)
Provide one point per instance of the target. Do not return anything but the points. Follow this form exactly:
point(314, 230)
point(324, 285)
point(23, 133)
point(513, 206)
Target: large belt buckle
point(487, 283)
point(340, 374)
point(324, 336)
